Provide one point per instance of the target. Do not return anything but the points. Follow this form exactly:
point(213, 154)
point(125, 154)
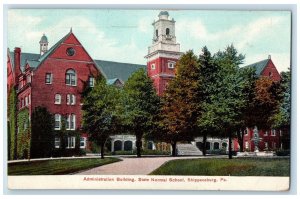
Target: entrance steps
point(188, 149)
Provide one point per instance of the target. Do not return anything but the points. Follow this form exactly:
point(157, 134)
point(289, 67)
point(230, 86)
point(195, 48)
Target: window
point(91, 81)
point(246, 131)
point(152, 66)
point(247, 145)
point(167, 31)
point(71, 99)
point(26, 101)
point(28, 78)
point(57, 142)
point(71, 77)
point(57, 99)
point(48, 78)
point(22, 102)
point(156, 32)
point(171, 64)
point(270, 74)
point(71, 122)
point(57, 121)
point(29, 99)
point(82, 142)
point(266, 133)
point(71, 142)
point(266, 145)
point(273, 132)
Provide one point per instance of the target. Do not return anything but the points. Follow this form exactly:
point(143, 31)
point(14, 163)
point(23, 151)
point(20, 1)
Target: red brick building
point(163, 53)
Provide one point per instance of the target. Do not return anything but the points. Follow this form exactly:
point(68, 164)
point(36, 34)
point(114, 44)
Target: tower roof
point(44, 39)
point(163, 13)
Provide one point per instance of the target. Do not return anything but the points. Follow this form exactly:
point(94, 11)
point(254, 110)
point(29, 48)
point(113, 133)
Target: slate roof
point(112, 70)
point(259, 66)
point(24, 57)
point(117, 69)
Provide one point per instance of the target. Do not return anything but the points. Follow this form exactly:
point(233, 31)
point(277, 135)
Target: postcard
point(148, 99)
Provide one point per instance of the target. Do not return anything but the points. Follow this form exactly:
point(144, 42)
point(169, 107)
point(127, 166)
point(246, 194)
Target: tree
point(180, 107)
point(140, 106)
point(42, 133)
point(249, 76)
point(100, 108)
point(227, 101)
point(282, 116)
point(208, 81)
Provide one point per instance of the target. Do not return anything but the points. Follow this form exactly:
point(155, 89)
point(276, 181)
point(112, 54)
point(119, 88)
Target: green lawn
point(226, 167)
point(56, 167)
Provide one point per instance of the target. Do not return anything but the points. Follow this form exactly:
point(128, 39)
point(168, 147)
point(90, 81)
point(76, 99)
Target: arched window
point(167, 31)
point(71, 77)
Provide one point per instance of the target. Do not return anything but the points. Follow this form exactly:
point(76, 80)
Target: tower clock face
point(70, 51)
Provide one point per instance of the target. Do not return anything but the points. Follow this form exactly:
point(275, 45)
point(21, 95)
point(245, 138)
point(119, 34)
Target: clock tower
point(163, 53)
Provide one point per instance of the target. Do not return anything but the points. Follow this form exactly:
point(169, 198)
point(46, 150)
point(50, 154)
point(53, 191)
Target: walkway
point(131, 166)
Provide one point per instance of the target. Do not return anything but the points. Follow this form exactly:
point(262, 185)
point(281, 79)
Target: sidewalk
point(131, 166)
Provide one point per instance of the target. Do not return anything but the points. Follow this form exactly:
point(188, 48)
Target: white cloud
point(241, 35)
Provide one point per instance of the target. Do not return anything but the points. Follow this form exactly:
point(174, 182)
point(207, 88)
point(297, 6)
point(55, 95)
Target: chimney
point(17, 62)
point(269, 57)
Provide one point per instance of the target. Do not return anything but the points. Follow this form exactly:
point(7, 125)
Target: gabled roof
point(24, 57)
point(53, 48)
point(259, 66)
point(117, 69)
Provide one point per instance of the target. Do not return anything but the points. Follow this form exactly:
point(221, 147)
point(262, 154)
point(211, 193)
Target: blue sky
point(124, 35)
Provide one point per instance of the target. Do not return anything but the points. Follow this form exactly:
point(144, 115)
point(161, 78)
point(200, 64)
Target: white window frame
point(29, 99)
point(266, 145)
point(28, 78)
point(26, 101)
point(57, 118)
point(246, 133)
point(91, 81)
point(71, 122)
point(57, 142)
point(71, 99)
point(50, 78)
point(247, 145)
point(266, 133)
point(72, 77)
point(57, 99)
point(83, 140)
point(71, 142)
point(171, 65)
point(273, 132)
point(153, 66)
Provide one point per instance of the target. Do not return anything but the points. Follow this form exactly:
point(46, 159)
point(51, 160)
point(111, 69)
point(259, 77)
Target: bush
point(143, 152)
point(283, 152)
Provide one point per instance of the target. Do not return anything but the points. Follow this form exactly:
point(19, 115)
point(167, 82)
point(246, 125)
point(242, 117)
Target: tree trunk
point(204, 144)
point(229, 147)
point(102, 150)
point(138, 146)
point(173, 149)
point(241, 140)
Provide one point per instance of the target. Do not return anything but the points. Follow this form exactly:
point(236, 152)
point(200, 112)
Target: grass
point(56, 167)
point(226, 167)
